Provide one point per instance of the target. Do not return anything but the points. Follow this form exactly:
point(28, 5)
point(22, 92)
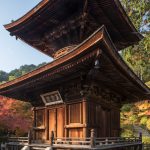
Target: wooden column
point(55, 124)
point(85, 119)
point(34, 122)
point(34, 115)
point(46, 124)
point(65, 121)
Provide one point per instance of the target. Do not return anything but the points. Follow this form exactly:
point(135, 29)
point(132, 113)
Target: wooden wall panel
point(75, 113)
point(77, 119)
point(115, 122)
point(40, 118)
point(76, 132)
point(39, 135)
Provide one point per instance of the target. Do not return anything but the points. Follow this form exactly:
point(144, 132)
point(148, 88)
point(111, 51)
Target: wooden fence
point(92, 142)
point(146, 146)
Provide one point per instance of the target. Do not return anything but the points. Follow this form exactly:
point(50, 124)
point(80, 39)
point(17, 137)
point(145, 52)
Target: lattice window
point(52, 98)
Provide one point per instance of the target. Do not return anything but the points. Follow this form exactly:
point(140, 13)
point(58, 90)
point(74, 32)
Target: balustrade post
point(140, 139)
point(29, 137)
point(52, 138)
point(106, 141)
point(140, 136)
point(92, 141)
point(8, 139)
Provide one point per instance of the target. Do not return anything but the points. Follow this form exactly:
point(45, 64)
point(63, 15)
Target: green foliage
point(146, 140)
point(148, 124)
point(148, 84)
point(4, 77)
point(127, 107)
point(133, 119)
point(143, 120)
point(137, 57)
point(11, 78)
point(136, 10)
point(135, 114)
point(127, 131)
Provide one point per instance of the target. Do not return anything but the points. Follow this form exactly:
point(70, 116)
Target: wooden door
point(60, 122)
point(52, 121)
point(56, 122)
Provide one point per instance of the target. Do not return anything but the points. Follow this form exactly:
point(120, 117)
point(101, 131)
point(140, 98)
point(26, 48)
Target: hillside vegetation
point(4, 76)
point(15, 116)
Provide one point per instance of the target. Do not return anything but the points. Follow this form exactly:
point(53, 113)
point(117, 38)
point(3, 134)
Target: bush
point(3, 139)
point(148, 124)
point(133, 118)
point(127, 131)
point(143, 120)
point(146, 140)
point(126, 107)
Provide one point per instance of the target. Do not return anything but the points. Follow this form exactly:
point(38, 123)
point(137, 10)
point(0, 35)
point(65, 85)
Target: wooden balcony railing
point(23, 140)
point(79, 143)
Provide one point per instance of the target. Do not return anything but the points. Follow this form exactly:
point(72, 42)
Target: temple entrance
point(56, 122)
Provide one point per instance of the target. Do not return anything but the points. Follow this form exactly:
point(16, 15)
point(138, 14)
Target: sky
point(14, 53)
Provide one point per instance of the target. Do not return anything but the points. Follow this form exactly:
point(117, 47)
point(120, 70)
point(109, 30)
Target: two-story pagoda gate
point(77, 97)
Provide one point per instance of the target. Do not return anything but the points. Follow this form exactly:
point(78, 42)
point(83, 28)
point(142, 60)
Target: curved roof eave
point(43, 3)
point(29, 14)
point(100, 34)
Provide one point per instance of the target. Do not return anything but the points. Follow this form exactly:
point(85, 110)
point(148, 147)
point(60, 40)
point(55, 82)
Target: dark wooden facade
point(88, 82)
point(69, 121)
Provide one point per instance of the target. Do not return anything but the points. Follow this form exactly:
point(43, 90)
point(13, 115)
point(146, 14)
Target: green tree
point(138, 56)
point(148, 124)
point(143, 120)
point(127, 107)
point(11, 78)
point(3, 76)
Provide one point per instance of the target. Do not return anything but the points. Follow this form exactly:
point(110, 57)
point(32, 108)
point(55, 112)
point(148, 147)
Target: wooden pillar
point(29, 137)
point(85, 119)
point(55, 124)
point(34, 115)
point(46, 124)
point(140, 139)
point(66, 121)
point(34, 123)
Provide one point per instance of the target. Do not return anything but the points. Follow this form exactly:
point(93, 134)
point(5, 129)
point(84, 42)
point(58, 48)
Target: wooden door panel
point(60, 122)
point(52, 122)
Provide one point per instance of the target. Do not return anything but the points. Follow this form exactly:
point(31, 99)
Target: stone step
point(38, 148)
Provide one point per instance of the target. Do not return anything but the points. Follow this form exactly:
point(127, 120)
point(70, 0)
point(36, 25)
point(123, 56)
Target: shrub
point(146, 140)
point(127, 131)
point(148, 124)
point(133, 118)
point(126, 107)
point(143, 120)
